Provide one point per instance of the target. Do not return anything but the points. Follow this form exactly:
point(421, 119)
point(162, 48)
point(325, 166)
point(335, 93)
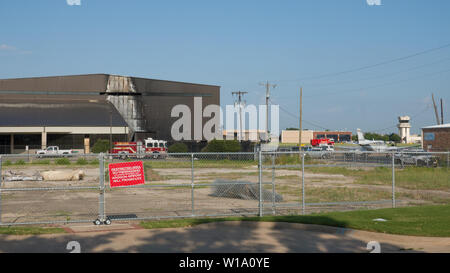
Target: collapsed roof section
point(122, 94)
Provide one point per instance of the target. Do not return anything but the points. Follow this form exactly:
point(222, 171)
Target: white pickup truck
point(54, 151)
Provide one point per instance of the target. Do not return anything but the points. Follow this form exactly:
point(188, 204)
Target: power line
point(374, 65)
point(375, 131)
point(317, 94)
point(298, 118)
point(380, 76)
point(412, 117)
point(381, 85)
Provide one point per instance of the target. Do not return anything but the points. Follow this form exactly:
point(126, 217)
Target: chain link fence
point(76, 188)
point(48, 190)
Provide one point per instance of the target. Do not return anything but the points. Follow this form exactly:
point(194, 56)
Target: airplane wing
point(348, 148)
point(404, 148)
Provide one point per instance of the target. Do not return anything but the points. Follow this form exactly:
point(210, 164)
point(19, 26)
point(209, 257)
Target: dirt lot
point(168, 192)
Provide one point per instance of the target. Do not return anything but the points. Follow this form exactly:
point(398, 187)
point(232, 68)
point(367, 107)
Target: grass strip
point(29, 230)
point(431, 221)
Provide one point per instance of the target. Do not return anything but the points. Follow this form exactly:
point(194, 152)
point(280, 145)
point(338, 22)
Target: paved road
point(232, 237)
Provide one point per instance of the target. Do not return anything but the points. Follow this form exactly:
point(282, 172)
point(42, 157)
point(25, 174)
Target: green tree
point(232, 146)
point(375, 136)
point(222, 146)
point(178, 148)
point(101, 146)
point(395, 138)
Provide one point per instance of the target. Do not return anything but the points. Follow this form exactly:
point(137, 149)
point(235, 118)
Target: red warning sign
point(126, 174)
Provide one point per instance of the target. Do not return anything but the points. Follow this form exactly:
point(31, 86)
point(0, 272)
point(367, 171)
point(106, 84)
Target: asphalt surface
point(226, 237)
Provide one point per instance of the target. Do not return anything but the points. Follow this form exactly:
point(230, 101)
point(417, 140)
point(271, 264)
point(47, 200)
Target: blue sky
point(238, 44)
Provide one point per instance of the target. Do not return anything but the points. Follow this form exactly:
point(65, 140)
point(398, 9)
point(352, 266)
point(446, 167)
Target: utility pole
point(435, 110)
point(268, 86)
point(300, 127)
point(239, 95)
point(442, 112)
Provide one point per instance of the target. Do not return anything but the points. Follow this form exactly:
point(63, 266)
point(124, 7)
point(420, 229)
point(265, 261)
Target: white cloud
point(373, 2)
point(73, 2)
point(8, 48)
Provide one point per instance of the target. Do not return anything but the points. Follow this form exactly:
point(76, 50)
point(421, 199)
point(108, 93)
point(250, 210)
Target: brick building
point(436, 138)
point(338, 136)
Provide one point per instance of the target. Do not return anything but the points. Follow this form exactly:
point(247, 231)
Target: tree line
point(393, 137)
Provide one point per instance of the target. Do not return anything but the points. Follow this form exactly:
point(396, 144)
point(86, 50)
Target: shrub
point(82, 161)
point(7, 163)
point(20, 162)
point(222, 146)
point(289, 159)
point(178, 148)
point(94, 162)
point(101, 146)
point(42, 162)
point(62, 161)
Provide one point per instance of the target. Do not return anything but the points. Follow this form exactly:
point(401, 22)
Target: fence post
point(303, 184)
point(260, 184)
point(448, 160)
point(273, 184)
point(101, 199)
point(393, 180)
point(1, 185)
point(192, 185)
point(354, 158)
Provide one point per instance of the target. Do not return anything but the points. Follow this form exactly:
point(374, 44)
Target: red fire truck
point(149, 148)
point(322, 141)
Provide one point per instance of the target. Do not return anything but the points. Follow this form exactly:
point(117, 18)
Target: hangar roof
point(89, 83)
point(59, 114)
point(77, 83)
point(81, 100)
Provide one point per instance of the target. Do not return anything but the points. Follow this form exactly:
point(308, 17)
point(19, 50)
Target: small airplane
point(374, 145)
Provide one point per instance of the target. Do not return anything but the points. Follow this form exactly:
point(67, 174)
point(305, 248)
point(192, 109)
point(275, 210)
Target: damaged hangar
point(75, 111)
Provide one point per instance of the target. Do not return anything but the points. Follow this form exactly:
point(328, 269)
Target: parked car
point(324, 152)
point(54, 151)
point(416, 159)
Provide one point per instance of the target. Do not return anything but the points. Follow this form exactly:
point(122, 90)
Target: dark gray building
point(75, 111)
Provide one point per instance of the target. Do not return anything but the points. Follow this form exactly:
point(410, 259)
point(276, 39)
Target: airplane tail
point(360, 135)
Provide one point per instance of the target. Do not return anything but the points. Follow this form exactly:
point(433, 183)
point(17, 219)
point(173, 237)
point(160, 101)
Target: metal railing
point(218, 184)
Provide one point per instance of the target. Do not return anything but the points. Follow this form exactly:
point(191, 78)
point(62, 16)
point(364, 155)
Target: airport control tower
point(404, 128)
